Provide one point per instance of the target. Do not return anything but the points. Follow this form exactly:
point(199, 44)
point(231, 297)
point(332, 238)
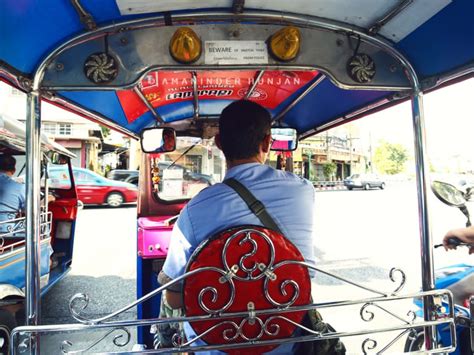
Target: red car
point(94, 189)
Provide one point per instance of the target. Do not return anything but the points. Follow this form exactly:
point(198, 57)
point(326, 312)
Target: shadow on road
point(106, 293)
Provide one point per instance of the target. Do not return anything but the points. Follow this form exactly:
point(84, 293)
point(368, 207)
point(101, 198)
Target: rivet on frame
point(361, 68)
point(100, 68)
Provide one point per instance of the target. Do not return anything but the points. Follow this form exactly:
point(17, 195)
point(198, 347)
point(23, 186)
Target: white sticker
point(235, 52)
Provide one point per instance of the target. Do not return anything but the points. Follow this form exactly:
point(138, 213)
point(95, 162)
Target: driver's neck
point(256, 159)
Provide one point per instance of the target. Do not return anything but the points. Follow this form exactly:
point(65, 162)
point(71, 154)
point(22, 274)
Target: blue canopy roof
point(436, 37)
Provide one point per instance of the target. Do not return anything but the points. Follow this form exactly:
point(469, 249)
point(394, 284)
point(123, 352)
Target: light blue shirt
point(12, 198)
point(288, 199)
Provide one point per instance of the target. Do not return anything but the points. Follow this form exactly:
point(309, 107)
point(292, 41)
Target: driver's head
point(7, 164)
point(243, 127)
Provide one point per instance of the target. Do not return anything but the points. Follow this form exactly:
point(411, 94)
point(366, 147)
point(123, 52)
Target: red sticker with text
point(168, 87)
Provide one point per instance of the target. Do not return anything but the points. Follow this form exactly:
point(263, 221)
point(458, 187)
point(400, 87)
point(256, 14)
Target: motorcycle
point(451, 277)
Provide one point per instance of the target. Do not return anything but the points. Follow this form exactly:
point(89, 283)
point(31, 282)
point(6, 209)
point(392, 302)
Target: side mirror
point(158, 140)
point(448, 194)
point(284, 139)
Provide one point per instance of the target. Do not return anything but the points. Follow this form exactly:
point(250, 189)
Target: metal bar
point(86, 18)
point(427, 267)
point(254, 85)
point(375, 28)
point(33, 210)
point(471, 308)
point(299, 98)
point(147, 103)
point(333, 335)
point(94, 324)
point(195, 95)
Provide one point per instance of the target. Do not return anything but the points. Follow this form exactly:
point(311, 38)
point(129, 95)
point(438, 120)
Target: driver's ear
point(266, 143)
point(217, 139)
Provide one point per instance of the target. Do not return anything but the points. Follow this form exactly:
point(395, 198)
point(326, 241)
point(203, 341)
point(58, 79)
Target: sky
point(449, 123)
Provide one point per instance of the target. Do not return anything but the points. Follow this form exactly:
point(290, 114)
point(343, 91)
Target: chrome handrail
point(16, 228)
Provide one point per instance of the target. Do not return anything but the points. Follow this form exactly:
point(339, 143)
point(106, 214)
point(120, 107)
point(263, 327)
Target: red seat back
point(241, 271)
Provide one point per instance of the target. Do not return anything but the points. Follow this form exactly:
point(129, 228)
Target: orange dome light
point(185, 45)
point(285, 44)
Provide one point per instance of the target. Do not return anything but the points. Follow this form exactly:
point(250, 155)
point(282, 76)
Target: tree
point(329, 169)
point(105, 131)
point(390, 158)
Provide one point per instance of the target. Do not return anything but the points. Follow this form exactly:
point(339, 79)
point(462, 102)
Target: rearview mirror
point(284, 139)
point(448, 194)
point(158, 140)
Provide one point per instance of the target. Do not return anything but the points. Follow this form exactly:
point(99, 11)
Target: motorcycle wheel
point(415, 340)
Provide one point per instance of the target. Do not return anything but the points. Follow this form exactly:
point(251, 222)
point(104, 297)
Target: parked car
point(94, 189)
point(122, 174)
point(363, 181)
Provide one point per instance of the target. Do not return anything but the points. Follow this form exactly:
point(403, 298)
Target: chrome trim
point(195, 95)
point(402, 5)
point(427, 265)
point(148, 104)
point(66, 344)
point(270, 329)
point(33, 208)
point(287, 109)
point(254, 85)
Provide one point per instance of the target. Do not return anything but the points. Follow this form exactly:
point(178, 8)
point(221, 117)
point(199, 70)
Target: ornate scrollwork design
point(367, 315)
point(361, 68)
point(215, 296)
point(284, 292)
point(368, 344)
point(101, 68)
point(76, 314)
point(396, 271)
point(119, 340)
point(249, 270)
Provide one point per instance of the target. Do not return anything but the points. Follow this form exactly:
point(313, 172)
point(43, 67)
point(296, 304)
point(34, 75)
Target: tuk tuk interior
point(313, 64)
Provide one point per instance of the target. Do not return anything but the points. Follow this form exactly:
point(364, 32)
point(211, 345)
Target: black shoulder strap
point(255, 205)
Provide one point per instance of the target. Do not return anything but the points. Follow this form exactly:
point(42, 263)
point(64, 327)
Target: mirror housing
point(158, 140)
point(284, 139)
point(448, 194)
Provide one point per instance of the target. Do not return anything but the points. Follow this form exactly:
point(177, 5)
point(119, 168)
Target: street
point(359, 235)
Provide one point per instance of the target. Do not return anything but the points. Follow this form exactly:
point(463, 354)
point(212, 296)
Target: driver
point(245, 139)
point(12, 193)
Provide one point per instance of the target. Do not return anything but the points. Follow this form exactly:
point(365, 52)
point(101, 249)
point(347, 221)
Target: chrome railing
point(15, 227)
point(230, 325)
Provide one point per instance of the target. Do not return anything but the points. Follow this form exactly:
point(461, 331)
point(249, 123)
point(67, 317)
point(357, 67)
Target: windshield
point(194, 165)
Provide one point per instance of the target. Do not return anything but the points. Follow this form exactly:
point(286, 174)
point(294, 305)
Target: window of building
point(65, 129)
point(48, 128)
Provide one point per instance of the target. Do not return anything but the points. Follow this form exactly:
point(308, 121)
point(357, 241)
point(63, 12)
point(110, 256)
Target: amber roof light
point(285, 44)
point(185, 45)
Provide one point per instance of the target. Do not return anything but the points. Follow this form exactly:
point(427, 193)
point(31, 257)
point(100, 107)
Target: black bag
point(313, 320)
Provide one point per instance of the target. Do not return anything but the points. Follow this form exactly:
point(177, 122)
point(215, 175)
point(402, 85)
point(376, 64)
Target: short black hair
point(7, 162)
point(242, 127)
